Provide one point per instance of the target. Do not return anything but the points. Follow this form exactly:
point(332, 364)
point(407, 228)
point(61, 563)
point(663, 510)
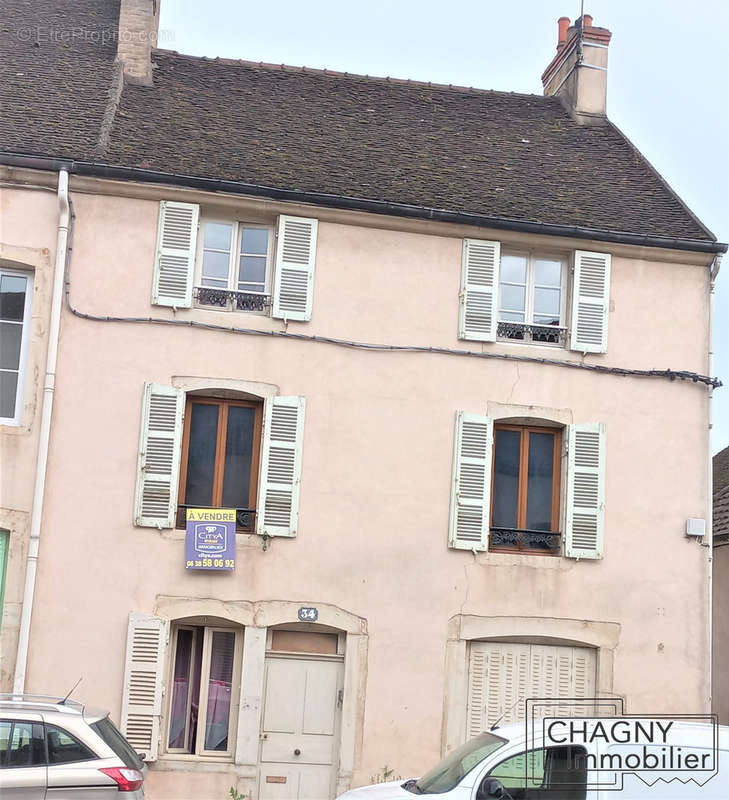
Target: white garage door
point(502, 675)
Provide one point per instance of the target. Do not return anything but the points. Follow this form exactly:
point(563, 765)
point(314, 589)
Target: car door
point(23, 772)
point(73, 768)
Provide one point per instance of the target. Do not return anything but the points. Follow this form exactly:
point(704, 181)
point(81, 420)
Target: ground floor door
point(502, 675)
point(300, 728)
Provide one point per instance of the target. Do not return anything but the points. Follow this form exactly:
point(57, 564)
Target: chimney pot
point(586, 21)
point(562, 24)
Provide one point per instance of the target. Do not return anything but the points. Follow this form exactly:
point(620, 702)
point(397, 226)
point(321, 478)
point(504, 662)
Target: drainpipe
point(713, 272)
point(21, 659)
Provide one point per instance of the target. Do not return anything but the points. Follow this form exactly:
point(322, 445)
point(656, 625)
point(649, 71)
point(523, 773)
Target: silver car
point(54, 745)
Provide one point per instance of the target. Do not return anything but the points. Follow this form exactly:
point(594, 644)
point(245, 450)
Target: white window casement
point(16, 292)
point(234, 265)
point(202, 708)
point(233, 269)
point(532, 298)
point(523, 296)
point(509, 491)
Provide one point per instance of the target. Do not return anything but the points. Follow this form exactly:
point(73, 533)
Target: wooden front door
point(300, 728)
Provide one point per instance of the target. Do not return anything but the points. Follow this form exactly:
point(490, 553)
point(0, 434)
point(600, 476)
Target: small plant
point(385, 774)
point(236, 795)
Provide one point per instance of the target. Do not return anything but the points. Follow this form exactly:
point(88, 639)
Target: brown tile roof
point(489, 153)
point(721, 515)
point(720, 464)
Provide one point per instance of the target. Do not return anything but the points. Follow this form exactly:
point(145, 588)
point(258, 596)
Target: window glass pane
point(254, 241)
point(197, 655)
point(547, 273)
point(238, 457)
point(252, 270)
point(5, 727)
point(217, 236)
point(201, 454)
point(63, 748)
point(8, 390)
point(12, 297)
point(11, 335)
point(513, 269)
point(546, 301)
point(511, 316)
point(547, 320)
point(219, 690)
point(506, 478)
point(512, 297)
point(215, 268)
point(180, 688)
point(539, 481)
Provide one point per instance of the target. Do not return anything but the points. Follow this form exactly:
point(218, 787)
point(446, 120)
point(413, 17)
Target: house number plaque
point(308, 614)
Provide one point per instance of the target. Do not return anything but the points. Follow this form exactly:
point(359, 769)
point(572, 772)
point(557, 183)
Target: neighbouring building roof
point(720, 465)
point(488, 153)
point(720, 513)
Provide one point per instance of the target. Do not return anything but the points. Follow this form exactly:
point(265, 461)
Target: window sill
point(186, 762)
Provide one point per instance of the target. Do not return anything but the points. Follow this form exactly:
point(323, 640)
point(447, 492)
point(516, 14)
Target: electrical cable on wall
point(670, 374)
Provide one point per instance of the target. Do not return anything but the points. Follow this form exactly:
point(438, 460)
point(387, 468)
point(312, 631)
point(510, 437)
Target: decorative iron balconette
point(549, 334)
point(245, 518)
point(528, 541)
point(232, 300)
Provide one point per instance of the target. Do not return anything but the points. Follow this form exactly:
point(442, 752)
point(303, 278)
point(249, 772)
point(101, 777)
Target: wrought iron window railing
point(525, 540)
point(231, 300)
point(245, 518)
point(542, 334)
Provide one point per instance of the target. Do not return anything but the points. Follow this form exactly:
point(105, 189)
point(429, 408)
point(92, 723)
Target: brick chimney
point(138, 29)
point(578, 73)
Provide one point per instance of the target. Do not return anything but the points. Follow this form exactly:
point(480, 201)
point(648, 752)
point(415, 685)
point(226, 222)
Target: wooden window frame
point(219, 469)
point(521, 513)
point(206, 631)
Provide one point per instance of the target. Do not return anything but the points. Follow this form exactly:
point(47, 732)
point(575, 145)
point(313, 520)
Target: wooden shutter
point(174, 264)
point(471, 484)
point(585, 491)
point(158, 465)
point(278, 492)
point(590, 302)
point(143, 675)
point(293, 283)
point(479, 290)
point(498, 682)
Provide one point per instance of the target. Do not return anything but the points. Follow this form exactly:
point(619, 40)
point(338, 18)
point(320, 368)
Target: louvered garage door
point(502, 675)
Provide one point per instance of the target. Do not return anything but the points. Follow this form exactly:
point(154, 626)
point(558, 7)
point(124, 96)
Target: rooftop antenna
point(581, 34)
point(71, 692)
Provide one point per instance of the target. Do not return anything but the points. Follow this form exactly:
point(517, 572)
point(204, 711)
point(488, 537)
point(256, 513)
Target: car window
point(64, 748)
point(20, 745)
point(110, 734)
point(554, 773)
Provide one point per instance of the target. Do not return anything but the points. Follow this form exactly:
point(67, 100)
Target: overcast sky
point(668, 79)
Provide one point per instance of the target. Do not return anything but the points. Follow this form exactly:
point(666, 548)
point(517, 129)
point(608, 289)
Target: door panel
point(300, 726)
point(23, 783)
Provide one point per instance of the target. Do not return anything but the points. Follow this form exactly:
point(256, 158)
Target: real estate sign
point(210, 539)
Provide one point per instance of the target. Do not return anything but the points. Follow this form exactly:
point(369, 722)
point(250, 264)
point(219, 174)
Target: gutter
point(21, 660)
point(709, 543)
point(95, 169)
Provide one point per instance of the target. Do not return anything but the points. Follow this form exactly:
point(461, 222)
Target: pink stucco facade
point(372, 538)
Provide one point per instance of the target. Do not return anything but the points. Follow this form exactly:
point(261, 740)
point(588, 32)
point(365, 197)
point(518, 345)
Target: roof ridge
point(339, 74)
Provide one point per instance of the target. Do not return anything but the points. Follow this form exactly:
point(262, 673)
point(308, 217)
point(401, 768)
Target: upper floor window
point(532, 298)
point(220, 457)
point(16, 289)
point(234, 265)
point(526, 488)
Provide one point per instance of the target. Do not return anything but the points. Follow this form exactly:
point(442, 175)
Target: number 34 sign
point(308, 614)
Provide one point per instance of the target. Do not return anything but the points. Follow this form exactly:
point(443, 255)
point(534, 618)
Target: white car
point(498, 765)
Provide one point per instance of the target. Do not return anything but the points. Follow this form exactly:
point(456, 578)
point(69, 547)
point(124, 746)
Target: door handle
point(297, 752)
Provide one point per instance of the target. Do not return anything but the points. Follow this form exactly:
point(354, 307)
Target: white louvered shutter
point(158, 465)
point(278, 492)
point(293, 282)
point(590, 302)
point(585, 491)
point(479, 290)
point(471, 482)
point(143, 676)
point(174, 264)
point(498, 683)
